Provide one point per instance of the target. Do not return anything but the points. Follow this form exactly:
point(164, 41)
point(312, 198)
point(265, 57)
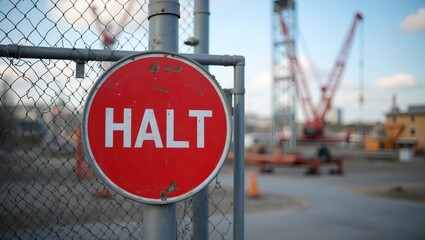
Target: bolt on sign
point(157, 127)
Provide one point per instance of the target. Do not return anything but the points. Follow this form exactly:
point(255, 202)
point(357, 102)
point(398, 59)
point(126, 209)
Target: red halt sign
point(157, 127)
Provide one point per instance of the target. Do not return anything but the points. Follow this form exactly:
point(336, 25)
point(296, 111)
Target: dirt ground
point(274, 202)
point(263, 203)
point(408, 192)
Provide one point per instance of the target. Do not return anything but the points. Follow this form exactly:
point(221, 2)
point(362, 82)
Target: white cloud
point(414, 23)
point(258, 94)
point(396, 82)
point(112, 13)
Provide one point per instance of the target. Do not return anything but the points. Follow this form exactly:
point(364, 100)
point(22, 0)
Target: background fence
point(47, 190)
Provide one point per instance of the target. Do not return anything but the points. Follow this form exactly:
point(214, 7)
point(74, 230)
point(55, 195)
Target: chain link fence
point(47, 189)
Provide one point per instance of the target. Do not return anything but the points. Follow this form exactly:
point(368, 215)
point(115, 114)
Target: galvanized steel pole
point(160, 220)
point(163, 18)
point(201, 45)
point(201, 15)
point(239, 164)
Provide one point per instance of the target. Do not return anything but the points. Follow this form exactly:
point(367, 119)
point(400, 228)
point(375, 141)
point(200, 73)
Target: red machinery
point(107, 36)
point(315, 115)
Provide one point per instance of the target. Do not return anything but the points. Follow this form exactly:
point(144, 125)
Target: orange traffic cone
point(253, 191)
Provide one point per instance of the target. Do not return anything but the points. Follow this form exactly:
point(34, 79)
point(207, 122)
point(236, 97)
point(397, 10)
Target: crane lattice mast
point(284, 89)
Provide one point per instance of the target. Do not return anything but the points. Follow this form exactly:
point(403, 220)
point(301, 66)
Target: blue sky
point(393, 40)
point(393, 50)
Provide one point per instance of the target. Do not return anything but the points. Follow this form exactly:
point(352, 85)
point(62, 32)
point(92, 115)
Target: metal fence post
point(200, 200)
point(163, 18)
point(239, 168)
point(160, 220)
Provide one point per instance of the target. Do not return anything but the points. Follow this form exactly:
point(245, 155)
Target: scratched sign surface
point(156, 127)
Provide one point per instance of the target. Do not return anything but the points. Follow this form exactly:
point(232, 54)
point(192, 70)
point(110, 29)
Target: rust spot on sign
point(154, 67)
point(172, 187)
point(176, 69)
point(160, 89)
point(200, 92)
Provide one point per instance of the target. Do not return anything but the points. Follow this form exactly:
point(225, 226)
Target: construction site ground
point(378, 197)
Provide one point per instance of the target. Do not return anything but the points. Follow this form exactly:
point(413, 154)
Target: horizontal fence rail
point(79, 54)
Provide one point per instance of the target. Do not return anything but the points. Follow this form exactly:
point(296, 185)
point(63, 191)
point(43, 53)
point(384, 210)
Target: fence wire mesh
point(47, 189)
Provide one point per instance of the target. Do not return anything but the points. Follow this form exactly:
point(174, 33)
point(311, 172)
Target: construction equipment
point(393, 132)
point(109, 37)
point(266, 162)
point(315, 115)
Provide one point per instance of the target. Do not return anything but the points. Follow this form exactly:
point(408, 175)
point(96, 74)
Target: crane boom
point(108, 37)
point(303, 91)
point(328, 91)
point(315, 116)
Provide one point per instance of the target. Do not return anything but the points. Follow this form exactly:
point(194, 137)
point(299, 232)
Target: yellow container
point(372, 144)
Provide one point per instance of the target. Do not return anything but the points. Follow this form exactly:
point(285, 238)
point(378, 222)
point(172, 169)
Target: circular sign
point(157, 127)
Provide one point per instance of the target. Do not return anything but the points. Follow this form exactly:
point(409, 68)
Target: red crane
point(315, 115)
point(109, 37)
